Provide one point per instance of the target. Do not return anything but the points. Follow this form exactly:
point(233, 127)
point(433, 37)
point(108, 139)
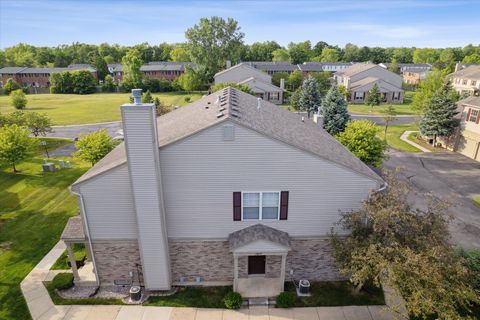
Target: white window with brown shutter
point(260, 205)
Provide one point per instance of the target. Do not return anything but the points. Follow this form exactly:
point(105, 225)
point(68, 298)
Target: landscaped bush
point(233, 300)
point(19, 99)
point(63, 281)
point(286, 300)
point(472, 262)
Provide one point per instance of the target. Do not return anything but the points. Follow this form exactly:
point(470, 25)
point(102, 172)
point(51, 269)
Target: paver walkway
point(42, 308)
point(404, 137)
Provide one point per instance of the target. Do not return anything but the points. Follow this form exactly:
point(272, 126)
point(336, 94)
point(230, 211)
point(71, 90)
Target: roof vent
point(219, 115)
point(259, 103)
point(222, 109)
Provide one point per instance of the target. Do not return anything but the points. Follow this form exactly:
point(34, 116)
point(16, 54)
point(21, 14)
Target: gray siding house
point(229, 189)
point(258, 81)
point(360, 78)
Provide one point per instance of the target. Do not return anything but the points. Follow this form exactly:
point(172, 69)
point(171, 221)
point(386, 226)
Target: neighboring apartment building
point(161, 70)
point(258, 81)
point(414, 76)
point(360, 78)
point(466, 80)
point(271, 67)
point(308, 67)
point(38, 77)
point(467, 141)
point(412, 67)
point(208, 195)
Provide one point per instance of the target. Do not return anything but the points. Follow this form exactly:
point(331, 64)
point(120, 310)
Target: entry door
point(256, 264)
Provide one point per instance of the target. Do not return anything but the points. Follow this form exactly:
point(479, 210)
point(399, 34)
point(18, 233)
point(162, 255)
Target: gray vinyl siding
point(242, 73)
point(200, 173)
point(380, 73)
point(141, 144)
point(109, 205)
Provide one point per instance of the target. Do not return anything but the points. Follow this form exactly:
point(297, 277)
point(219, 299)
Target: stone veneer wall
point(312, 259)
point(115, 259)
point(242, 267)
point(273, 266)
point(211, 260)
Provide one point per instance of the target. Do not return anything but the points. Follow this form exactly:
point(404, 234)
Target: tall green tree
point(180, 53)
point(374, 97)
point(432, 83)
point(334, 111)
point(212, 42)
point(360, 137)
point(389, 116)
point(439, 117)
point(300, 52)
point(295, 80)
point(261, 51)
point(83, 82)
point(280, 55)
point(324, 81)
point(190, 80)
point(309, 96)
point(101, 66)
point(132, 76)
point(329, 55)
point(94, 146)
point(389, 242)
point(393, 66)
point(38, 123)
point(277, 76)
point(15, 145)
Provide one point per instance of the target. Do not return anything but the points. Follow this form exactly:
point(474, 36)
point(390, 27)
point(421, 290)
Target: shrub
point(63, 281)
point(472, 262)
point(10, 85)
point(19, 99)
point(80, 258)
point(233, 300)
point(108, 84)
point(187, 99)
point(286, 300)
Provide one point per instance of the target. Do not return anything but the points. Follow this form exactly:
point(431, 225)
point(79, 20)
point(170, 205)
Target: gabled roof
point(273, 65)
point(73, 231)
point(356, 68)
point(470, 72)
point(312, 66)
point(11, 70)
point(367, 83)
point(242, 65)
point(472, 101)
point(241, 108)
point(166, 66)
point(256, 232)
point(259, 85)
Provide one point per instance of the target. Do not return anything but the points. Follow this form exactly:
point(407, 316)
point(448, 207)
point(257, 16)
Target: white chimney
point(458, 66)
point(259, 103)
point(282, 84)
point(228, 64)
point(318, 119)
point(141, 146)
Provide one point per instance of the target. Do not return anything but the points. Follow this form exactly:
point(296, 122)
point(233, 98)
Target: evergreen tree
point(439, 118)
point(374, 96)
point(334, 111)
point(147, 97)
point(309, 96)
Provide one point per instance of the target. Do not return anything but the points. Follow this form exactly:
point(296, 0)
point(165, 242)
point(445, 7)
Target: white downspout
point(87, 231)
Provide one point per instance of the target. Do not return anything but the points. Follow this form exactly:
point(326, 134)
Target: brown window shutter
point(237, 206)
point(468, 114)
point(283, 205)
point(478, 117)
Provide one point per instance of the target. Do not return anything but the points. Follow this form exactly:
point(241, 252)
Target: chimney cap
point(137, 96)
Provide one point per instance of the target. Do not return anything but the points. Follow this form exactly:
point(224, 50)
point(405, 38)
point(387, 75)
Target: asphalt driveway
point(447, 175)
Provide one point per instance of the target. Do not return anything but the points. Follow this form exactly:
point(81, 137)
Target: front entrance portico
point(259, 259)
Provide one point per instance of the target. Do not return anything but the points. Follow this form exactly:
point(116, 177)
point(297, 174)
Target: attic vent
point(219, 115)
point(222, 109)
point(228, 133)
point(223, 104)
point(235, 109)
point(235, 114)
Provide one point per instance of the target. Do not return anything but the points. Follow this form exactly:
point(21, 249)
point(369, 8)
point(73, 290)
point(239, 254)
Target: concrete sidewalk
point(42, 308)
point(404, 137)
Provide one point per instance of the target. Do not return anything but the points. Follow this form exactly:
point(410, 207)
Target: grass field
point(401, 109)
point(34, 208)
point(393, 136)
point(66, 109)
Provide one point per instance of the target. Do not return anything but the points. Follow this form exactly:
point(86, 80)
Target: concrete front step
point(260, 302)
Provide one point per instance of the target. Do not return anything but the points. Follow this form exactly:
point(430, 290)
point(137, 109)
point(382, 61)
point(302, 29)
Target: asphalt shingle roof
point(470, 72)
point(269, 119)
point(256, 232)
point(73, 230)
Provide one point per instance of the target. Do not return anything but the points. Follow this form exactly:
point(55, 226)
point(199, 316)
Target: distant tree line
point(299, 52)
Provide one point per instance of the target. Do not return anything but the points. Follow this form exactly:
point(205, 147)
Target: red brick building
point(162, 70)
point(38, 77)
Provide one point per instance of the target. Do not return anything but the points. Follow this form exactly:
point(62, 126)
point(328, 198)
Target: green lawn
point(414, 137)
point(67, 109)
point(337, 293)
point(33, 212)
point(401, 109)
point(393, 136)
point(63, 260)
point(198, 297)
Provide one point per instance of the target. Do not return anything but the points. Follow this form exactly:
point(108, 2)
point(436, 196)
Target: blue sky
point(418, 23)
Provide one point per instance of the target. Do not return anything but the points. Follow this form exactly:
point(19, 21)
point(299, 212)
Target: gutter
point(87, 231)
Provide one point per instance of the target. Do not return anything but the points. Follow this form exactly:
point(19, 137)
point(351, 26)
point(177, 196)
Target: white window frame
point(260, 204)
point(472, 117)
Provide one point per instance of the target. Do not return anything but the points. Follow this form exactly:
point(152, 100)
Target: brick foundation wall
point(312, 259)
point(115, 259)
point(211, 260)
point(273, 266)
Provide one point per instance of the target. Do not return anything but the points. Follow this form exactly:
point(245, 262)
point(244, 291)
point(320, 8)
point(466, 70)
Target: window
point(473, 82)
point(465, 82)
point(473, 115)
point(260, 205)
